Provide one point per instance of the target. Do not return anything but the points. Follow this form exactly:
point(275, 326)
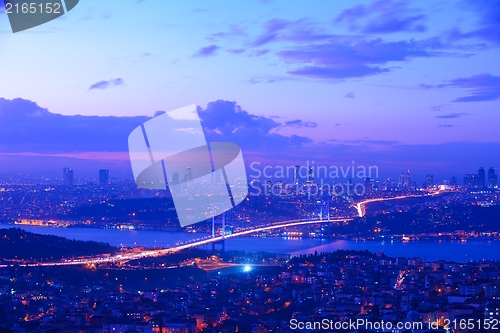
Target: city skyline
point(257, 166)
point(406, 90)
point(293, 175)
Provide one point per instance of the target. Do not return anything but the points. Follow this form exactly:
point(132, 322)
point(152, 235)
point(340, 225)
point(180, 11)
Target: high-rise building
point(68, 177)
point(401, 181)
point(296, 175)
point(407, 179)
point(103, 177)
point(429, 181)
point(492, 178)
point(481, 177)
point(453, 181)
point(189, 174)
point(469, 180)
point(311, 175)
point(473, 181)
point(175, 178)
point(368, 186)
point(269, 187)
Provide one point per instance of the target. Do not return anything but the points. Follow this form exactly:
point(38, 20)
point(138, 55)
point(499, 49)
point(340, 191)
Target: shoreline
point(444, 236)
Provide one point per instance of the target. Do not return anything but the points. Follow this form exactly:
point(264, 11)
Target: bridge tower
point(325, 197)
point(223, 227)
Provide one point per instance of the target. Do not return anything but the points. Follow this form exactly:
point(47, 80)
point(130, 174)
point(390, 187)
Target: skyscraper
point(68, 177)
point(388, 184)
point(311, 175)
point(103, 177)
point(453, 181)
point(296, 175)
point(175, 178)
point(468, 180)
point(481, 176)
point(407, 179)
point(401, 180)
point(368, 185)
point(492, 178)
point(189, 174)
point(429, 181)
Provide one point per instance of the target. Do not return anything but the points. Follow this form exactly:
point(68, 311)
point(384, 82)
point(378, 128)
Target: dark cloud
point(313, 52)
point(227, 121)
point(300, 123)
point(257, 53)
point(271, 79)
point(206, 51)
point(272, 27)
point(26, 127)
point(33, 138)
point(337, 73)
point(299, 31)
point(367, 141)
point(481, 87)
point(426, 86)
point(253, 81)
point(488, 21)
point(248, 53)
point(439, 107)
point(452, 115)
point(215, 37)
point(355, 59)
point(236, 51)
point(107, 84)
point(383, 16)
point(350, 95)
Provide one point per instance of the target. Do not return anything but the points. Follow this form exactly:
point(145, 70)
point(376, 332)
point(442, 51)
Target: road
point(360, 206)
point(187, 245)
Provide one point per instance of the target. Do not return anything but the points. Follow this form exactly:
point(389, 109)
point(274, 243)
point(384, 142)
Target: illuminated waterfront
point(430, 250)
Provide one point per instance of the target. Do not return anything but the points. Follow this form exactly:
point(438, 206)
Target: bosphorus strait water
point(459, 251)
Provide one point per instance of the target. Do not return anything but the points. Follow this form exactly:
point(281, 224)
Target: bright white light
point(247, 269)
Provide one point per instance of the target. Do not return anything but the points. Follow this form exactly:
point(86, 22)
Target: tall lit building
point(492, 178)
point(407, 179)
point(103, 177)
point(429, 181)
point(468, 180)
point(401, 181)
point(311, 175)
point(68, 177)
point(189, 174)
point(388, 184)
point(296, 175)
point(481, 177)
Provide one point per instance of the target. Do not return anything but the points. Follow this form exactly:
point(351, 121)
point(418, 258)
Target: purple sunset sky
point(397, 84)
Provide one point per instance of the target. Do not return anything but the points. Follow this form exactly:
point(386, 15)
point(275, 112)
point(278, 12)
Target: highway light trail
point(360, 207)
point(162, 252)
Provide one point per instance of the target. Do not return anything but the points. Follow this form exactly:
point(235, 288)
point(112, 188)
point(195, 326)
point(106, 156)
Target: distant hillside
point(16, 243)
point(143, 210)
